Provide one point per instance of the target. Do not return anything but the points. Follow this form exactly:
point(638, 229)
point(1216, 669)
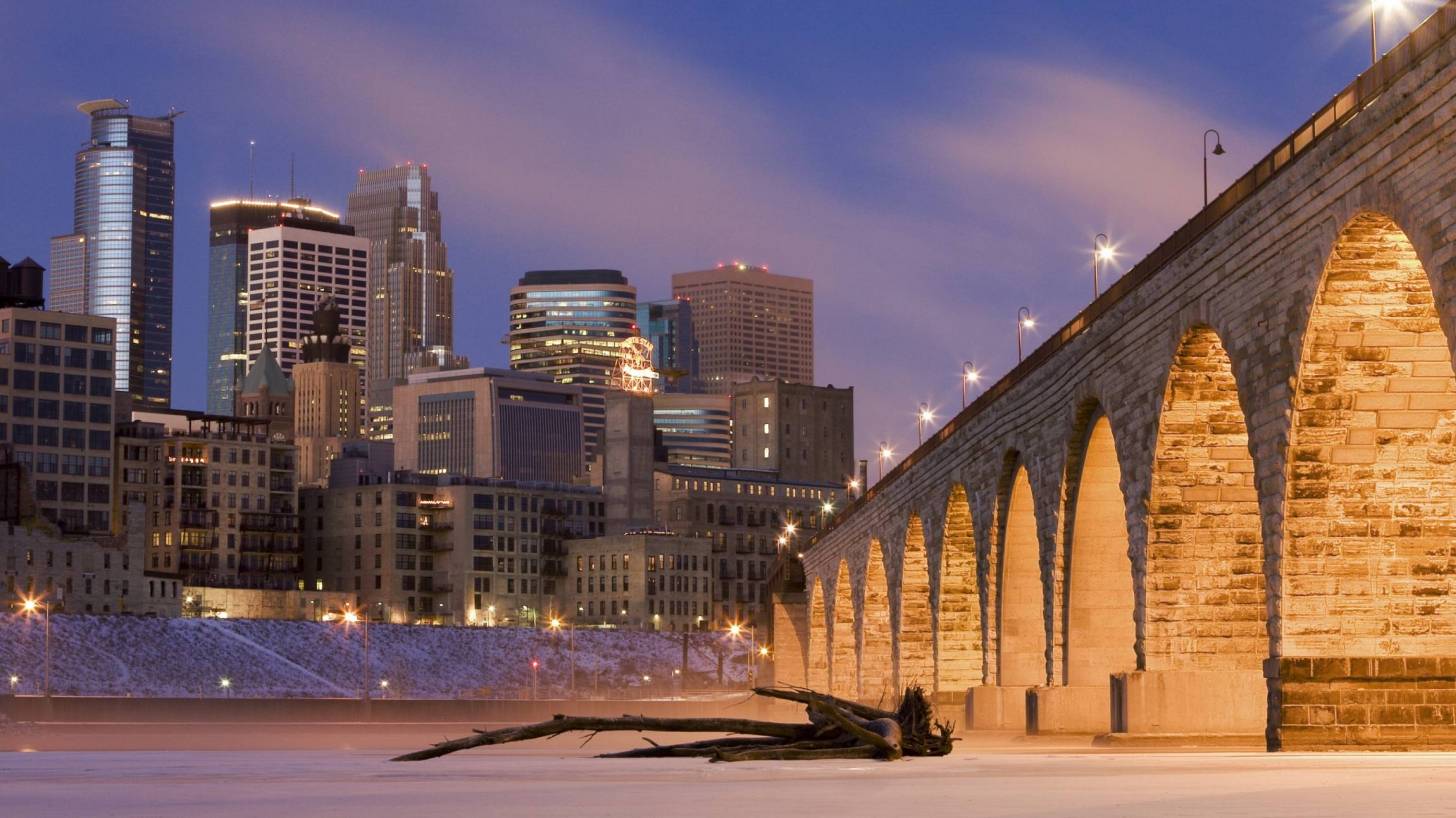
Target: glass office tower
point(669, 326)
point(570, 325)
point(117, 261)
point(227, 287)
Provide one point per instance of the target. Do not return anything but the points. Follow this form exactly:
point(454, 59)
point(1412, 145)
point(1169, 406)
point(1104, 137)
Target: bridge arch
point(877, 670)
point(1020, 597)
point(817, 661)
point(1204, 580)
point(1368, 567)
point(1099, 609)
point(916, 643)
point(843, 668)
point(959, 659)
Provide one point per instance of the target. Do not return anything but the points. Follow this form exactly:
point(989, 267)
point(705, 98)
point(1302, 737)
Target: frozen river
point(558, 780)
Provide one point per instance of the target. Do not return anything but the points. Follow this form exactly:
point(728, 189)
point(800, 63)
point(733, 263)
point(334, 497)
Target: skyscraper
point(669, 326)
point(570, 325)
point(227, 287)
point(749, 324)
point(411, 285)
point(117, 260)
point(292, 267)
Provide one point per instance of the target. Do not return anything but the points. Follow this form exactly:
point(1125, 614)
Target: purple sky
point(932, 166)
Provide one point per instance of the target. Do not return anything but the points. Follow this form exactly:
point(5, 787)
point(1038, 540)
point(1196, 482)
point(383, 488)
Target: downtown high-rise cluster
point(350, 456)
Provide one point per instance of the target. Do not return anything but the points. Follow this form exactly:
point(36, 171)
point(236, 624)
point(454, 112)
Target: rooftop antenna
point(251, 144)
point(290, 176)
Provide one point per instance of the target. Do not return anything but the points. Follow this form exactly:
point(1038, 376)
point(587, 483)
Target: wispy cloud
point(576, 140)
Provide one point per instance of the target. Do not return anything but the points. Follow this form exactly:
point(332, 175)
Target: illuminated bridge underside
point(1221, 500)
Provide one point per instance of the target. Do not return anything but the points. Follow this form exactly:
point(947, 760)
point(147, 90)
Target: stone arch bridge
point(1220, 500)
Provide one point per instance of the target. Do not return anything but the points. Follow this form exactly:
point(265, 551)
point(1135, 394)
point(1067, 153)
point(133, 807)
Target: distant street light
point(923, 417)
point(969, 375)
point(30, 605)
point(555, 626)
point(352, 617)
point(1217, 151)
point(1024, 321)
point(1101, 251)
point(885, 454)
point(852, 487)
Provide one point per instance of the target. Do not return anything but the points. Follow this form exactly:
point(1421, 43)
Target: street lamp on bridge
point(1101, 252)
point(923, 417)
point(1377, 6)
point(885, 454)
point(1024, 321)
point(969, 375)
point(1217, 151)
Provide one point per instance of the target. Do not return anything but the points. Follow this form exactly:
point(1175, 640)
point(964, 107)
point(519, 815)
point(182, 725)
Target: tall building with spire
point(325, 396)
point(411, 285)
point(227, 287)
point(117, 260)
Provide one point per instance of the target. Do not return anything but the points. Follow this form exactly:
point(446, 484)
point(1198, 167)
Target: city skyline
point(933, 235)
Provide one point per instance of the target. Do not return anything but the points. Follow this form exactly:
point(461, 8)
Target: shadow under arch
point(1021, 655)
point(876, 669)
point(817, 661)
point(843, 668)
point(959, 658)
point(1204, 578)
point(1098, 612)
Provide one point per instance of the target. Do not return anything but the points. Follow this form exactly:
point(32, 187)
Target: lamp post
point(923, 416)
point(350, 618)
point(1375, 7)
point(1101, 251)
point(1023, 321)
point(555, 626)
point(852, 487)
point(969, 375)
point(736, 630)
point(885, 454)
point(30, 606)
point(1217, 151)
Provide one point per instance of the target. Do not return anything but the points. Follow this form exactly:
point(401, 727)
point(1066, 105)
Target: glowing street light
point(827, 507)
point(1102, 251)
point(969, 375)
point(227, 685)
point(14, 680)
point(923, 418)
point(735, 630)
point(352, 617)
point(1377, 6)
point(852, 487)
point(1024, 321)
point(790, 528)
point(1217, 151)
point(30, 606)
point(556, 624)
point(885, 454)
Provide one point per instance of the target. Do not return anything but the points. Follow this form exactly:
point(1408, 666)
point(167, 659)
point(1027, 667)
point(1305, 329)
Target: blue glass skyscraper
point(669, 326)
point(117, 261)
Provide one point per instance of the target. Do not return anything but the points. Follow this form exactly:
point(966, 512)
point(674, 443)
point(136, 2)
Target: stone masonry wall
point(1249, 285)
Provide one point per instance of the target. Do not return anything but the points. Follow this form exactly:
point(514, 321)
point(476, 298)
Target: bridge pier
point(1189, 702)
point(996, 707)
point(1068, 709)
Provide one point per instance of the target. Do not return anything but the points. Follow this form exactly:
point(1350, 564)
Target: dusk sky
point(932, 166)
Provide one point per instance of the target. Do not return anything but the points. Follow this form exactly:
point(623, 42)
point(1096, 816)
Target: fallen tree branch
point(835, 728)
point(566, 724)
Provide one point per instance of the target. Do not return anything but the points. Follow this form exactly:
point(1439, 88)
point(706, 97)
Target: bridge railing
point(1352, 99)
